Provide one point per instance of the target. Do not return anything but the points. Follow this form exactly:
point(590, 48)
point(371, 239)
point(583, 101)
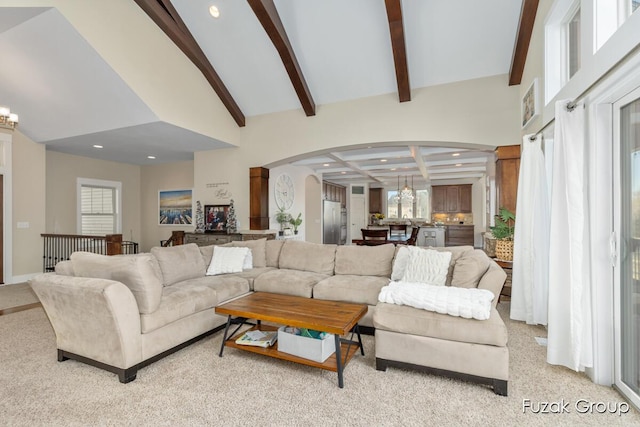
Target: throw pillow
point(227, 260)
point(469, 269)
point(427, 266)
point(400, 263)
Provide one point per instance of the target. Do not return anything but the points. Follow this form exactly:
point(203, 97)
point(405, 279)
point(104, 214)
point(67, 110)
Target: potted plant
point(283, 218)
point(296, 223)
point(503, 233)
point(378, 217)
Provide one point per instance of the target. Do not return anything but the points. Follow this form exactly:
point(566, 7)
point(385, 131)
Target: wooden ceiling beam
point(396, 30)
point(267, 14)
point(167, 18)
point(525, 29)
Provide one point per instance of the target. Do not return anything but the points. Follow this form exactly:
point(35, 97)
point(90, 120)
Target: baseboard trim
point(19, 308)
point(14, 280)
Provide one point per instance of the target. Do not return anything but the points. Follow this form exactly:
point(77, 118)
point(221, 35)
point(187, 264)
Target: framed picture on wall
point(175, 207)
point(215, 218)
point(530, 104)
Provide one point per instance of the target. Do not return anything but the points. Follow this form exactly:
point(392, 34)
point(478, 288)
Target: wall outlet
point(23, 224)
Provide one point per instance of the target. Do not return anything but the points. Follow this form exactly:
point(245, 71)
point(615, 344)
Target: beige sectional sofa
point(123, 312)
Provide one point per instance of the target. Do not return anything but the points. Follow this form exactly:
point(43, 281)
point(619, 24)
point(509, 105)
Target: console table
point(206, 239)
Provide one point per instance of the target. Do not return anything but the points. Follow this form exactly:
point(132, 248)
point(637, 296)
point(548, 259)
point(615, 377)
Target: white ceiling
point(343, 47)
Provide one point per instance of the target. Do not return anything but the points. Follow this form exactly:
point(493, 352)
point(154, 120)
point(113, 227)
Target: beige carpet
point(16, 295)
point(195, 387)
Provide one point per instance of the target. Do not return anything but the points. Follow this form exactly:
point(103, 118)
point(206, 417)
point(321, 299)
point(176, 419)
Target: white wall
point(166, 176)
point(299, 175)
point(482, 111)
point(61, 206)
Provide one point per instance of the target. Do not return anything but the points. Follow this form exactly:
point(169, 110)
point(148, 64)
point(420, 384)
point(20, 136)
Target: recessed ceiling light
point(151, 157)
point(383, 160)
point(455, 154)
point(326, 164)
point(458, 164)
point(393, 169)
point(214, 11)
point(343, 173)
point(97, 146)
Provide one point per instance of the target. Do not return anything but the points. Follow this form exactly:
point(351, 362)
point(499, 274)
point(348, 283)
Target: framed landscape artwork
point(215, 218)
point(530, 104)
point(175, 207)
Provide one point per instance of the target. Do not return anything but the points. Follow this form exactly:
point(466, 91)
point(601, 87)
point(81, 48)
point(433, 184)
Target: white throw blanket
point(462, 302)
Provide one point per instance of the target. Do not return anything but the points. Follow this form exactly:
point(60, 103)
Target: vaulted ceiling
point(260, 57)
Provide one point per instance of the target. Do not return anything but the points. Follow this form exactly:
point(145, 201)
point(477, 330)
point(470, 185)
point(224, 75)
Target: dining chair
point(397, 229)
point(413, 239)
point(374, 237)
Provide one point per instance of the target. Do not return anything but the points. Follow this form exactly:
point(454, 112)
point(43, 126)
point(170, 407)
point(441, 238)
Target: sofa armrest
point(93, 318)
point(493, 280)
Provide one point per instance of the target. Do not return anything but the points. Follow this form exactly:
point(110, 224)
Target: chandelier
point(8, 120)
point(404, 195)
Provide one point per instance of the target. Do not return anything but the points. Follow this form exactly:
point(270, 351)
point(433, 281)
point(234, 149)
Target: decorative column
point(507, 172)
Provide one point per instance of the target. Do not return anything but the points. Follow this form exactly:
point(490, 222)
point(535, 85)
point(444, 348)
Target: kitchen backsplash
point(452, 218)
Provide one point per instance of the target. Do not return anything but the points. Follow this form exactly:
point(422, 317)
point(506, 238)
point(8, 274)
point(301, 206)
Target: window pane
point(634, 5)
point(573, 38)
point(392, 206)
point(98, 210)
point(422, 204)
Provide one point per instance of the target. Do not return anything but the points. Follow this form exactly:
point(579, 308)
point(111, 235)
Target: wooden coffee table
point(333, 317)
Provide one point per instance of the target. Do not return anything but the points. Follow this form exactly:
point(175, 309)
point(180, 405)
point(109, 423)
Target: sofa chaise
point(121, 313)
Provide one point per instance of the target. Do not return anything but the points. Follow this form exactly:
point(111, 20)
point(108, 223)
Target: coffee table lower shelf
point(347, 351)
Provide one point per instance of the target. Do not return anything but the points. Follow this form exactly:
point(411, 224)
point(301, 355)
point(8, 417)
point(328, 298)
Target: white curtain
point(530, 278)
point(570, 330)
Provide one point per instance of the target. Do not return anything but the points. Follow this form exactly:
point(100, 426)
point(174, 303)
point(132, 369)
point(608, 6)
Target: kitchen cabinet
point(375, 200)
point(459, 235)
point(465, 198)
point(507, 172)
point(451, 199)
point(334, 193)
point(438, 198)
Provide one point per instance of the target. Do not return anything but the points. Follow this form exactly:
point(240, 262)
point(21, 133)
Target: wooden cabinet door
point(438, 199)
point(464, 193)
point(452, 196)
point(375, 200)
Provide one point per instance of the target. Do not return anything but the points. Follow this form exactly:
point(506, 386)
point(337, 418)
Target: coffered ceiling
point(261, 57)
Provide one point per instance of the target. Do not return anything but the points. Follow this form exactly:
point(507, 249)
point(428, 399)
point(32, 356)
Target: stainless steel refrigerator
point(331, 222)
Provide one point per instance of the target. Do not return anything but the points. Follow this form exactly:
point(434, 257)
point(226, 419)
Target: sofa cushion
point(290, 282)
point(415, 321)
point(192, 296)
point(258, 250)
point(400, 261)
point(469, 268)
point(364, 260)
point(273, 248)
point(350, 288)
point(179, 263)
point(305, 256)
point(250, 275)
point(138, 272)
point(227, 260)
